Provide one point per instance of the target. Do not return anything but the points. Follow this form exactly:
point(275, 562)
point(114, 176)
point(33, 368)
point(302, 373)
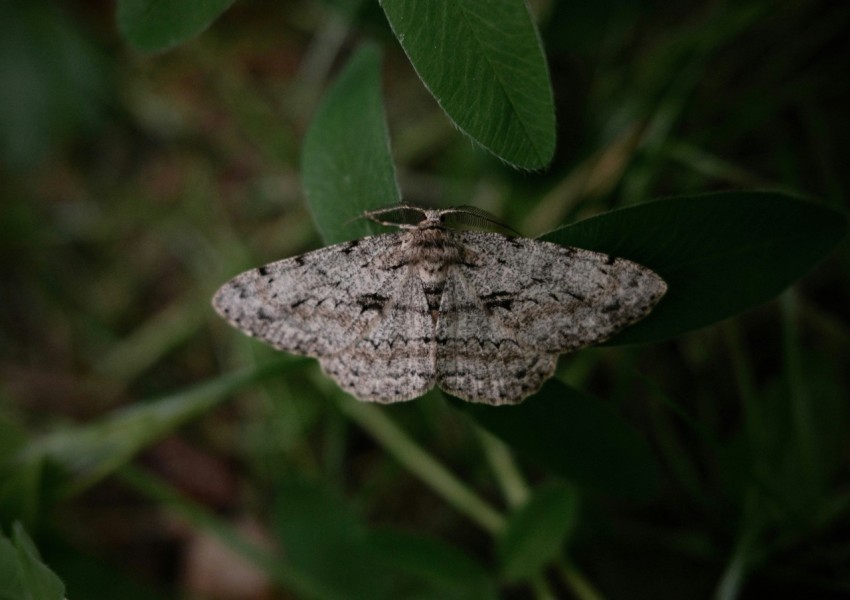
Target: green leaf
point(87, 454)
point(346, 165)
point(54, 84)
point(20, 484)
point(39, 582)
point(720, 254)
point(332, 546)
point(20, 489)
point(23, 576)
point(152, 25)
point(537, 531)
point(484, 64)
point(574, 436)
point(325, 540)
point(437, 569)
point(9, 575)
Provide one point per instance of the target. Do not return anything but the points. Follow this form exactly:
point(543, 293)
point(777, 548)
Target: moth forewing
point(482, 315)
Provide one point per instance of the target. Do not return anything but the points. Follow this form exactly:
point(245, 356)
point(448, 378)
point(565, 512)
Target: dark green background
point(148, 154)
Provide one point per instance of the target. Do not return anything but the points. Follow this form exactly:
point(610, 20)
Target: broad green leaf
point(152, 25)
point(9, 574)
point(536, 533)
point(23, 576)
point(39, 582)
point(329, 544)
point(325, 540)
point(574, 436)
point(483, 63)
point(720, 254)
point(87, 454)
point(346, 167)
point(437, 570)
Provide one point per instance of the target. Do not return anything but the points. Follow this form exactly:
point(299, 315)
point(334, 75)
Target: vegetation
point(151, 451)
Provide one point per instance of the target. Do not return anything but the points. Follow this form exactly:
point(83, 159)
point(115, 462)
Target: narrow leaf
point(87, 454)
point(483, 63)
point(574, 436)
point(720, 254)
point(346, 165)
point(152, 25)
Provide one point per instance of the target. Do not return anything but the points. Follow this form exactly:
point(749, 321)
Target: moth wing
point(557, 298)
point(394, 359)
point(481, 358)
point(317, 303)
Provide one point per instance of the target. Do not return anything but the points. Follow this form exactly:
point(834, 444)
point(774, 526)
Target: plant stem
point(504, 468)
point(580, 586)
point(420, 463)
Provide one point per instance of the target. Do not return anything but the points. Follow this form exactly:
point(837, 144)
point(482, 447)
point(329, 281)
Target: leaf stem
point(801, 401)
point(398, 443)
point(504, 467)
point(580, 586)
point(753, 420)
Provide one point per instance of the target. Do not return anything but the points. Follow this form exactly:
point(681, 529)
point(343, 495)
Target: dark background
point(132, 185)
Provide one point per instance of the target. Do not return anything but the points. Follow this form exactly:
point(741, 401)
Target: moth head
point(415, 217)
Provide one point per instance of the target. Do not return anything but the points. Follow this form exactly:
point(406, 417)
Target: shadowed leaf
point(346, 166)
point(720, 254)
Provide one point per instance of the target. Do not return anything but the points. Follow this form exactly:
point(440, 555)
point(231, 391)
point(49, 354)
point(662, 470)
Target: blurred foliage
point(158, 25)
point(54, 83)
point(23, 574)
point(133, 184)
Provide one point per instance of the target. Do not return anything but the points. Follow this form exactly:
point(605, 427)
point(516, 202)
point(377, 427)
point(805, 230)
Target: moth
point(482, 315)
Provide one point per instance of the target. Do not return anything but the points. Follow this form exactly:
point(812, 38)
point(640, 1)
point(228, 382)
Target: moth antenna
point(472, 215)
point(373, 215)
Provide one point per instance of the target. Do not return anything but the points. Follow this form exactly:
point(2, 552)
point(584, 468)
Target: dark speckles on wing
point(612, 306)
point(482, 315)
point(372, 302)
point(503, 300)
